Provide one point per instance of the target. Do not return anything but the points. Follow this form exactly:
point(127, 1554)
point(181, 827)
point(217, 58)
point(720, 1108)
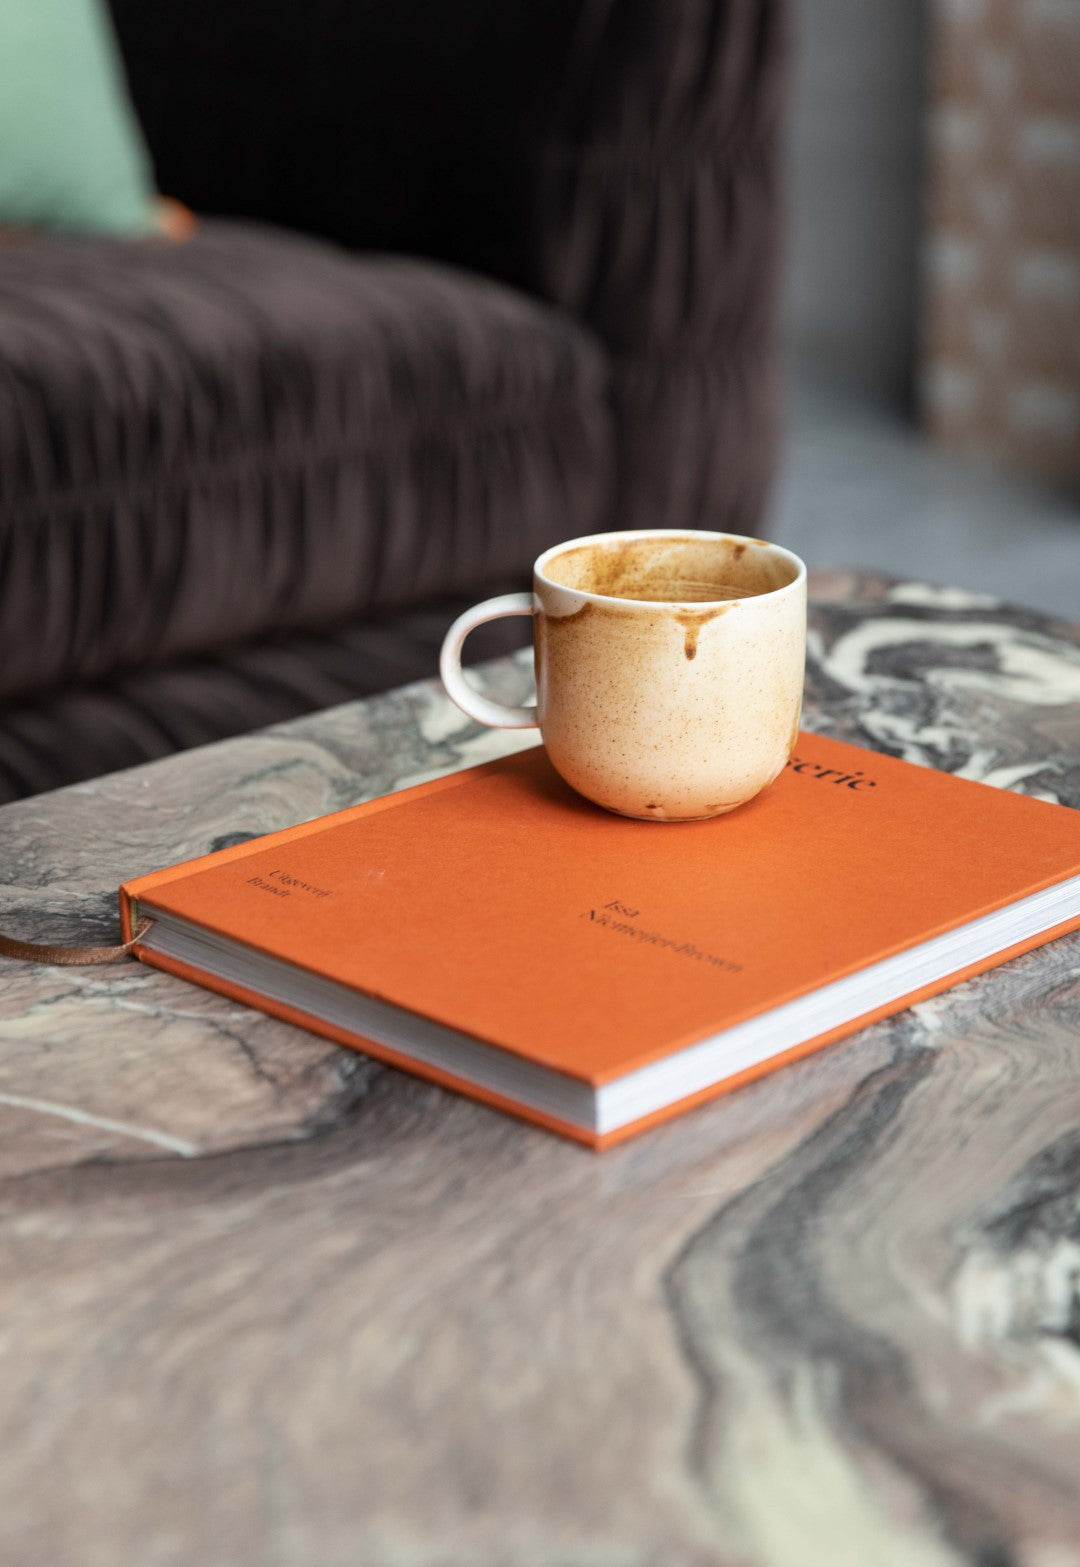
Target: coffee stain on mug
point(670, 570)
point(692, 620)
point(559, 622)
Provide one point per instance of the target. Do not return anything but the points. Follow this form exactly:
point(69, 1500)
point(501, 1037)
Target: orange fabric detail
point(173, 220)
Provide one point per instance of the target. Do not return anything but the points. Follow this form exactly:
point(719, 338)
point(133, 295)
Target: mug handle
point(482, 708)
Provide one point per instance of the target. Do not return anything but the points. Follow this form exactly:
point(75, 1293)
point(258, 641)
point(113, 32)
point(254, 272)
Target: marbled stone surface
point(266, 1304)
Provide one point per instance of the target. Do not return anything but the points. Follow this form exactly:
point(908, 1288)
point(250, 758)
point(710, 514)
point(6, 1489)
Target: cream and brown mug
point(669, 667)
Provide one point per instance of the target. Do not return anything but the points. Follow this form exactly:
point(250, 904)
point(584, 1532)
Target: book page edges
point(378, 1052)
point(640, 1059)
point(842, 1031)
point(600, 1140)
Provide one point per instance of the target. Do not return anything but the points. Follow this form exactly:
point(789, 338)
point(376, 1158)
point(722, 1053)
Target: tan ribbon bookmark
point(35, 952)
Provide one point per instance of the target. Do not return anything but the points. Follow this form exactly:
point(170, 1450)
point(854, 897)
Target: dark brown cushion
point(203, 445)
point(620, 158)
point(61, 737)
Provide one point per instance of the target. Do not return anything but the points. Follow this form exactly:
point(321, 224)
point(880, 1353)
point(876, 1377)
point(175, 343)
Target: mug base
point(656, 813)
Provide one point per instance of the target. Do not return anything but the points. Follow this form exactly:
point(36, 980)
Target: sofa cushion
point(64, 736)
point(255, 433)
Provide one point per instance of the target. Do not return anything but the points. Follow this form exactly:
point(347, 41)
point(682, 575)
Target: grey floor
point(860, 487)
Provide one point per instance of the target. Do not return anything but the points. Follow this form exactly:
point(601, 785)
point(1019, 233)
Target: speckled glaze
point(669, 709)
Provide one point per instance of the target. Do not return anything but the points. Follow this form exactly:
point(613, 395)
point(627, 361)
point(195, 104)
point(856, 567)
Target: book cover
point(502, 907)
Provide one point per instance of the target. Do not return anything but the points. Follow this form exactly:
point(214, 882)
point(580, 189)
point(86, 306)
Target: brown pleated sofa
point(469, 278)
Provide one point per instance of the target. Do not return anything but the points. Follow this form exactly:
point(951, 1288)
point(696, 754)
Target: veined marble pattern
point(265, 1302)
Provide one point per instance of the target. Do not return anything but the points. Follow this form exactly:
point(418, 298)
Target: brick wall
point(1001, 277)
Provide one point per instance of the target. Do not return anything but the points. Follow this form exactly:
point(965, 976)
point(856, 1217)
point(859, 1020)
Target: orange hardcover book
point(496, 933)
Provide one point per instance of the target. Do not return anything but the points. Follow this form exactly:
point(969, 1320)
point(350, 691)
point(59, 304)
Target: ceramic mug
point(669, 667)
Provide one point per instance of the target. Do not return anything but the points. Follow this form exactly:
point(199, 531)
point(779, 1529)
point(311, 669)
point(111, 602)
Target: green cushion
point(72, 156)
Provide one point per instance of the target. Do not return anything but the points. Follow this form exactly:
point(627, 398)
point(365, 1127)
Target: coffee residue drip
point(685, 590)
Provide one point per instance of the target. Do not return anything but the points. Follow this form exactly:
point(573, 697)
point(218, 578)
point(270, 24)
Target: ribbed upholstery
point(208, 444)
point(81, 731)
point(619, 157)
point(657, 220)
point(229, 468)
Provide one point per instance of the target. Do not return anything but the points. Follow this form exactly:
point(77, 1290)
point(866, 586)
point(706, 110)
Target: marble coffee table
point(264, 1303)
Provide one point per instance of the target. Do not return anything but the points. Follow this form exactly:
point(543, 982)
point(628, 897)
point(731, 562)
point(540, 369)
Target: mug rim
point(695, 534)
